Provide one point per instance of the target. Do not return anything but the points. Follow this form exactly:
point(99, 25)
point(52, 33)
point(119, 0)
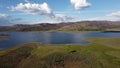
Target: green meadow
point(102, 53)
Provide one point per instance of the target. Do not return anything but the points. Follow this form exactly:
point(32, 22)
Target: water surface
point(18, 38)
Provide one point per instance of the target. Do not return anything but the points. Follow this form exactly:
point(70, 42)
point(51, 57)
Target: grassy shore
point(111, 42)
point(35, 55)
point(4, 36)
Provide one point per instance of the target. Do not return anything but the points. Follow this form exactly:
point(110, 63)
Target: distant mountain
point(91, 26)
point(69, 26)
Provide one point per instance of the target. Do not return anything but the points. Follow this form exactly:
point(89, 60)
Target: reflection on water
point(1, 48)
point(17, 38)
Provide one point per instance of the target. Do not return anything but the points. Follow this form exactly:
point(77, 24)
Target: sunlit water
point(18, 38)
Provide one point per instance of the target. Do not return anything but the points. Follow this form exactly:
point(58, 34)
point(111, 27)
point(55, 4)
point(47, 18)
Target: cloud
point(40, 9)
point(108, 18)
point(4, 19)
point(2, 16)
point(62, 17)
point(116, 14)
point(7, 20)
point(80, 4)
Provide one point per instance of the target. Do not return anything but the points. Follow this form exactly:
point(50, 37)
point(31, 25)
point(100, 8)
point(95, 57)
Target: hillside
point(35, 55)
point(91, 26)
point(69, 26)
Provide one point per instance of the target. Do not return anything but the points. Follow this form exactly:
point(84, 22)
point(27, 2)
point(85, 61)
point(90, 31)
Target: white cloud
point(6, 20)
point(2, 16)
point(62, 17)
point(108, 18)
point(116, 14)
point(41, 9)
point(80, 4)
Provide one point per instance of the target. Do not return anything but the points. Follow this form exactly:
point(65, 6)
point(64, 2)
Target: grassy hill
point(35, 55)
point(68, 26)
point(80, 26)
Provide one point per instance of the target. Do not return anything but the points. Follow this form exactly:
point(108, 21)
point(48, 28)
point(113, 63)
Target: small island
point(4, 35)
point(112, 30)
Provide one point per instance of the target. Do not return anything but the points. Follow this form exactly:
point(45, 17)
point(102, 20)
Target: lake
point(18, 38)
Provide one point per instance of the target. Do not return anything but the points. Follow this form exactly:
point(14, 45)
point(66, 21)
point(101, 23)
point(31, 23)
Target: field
point(102, 53)
point(112, 42)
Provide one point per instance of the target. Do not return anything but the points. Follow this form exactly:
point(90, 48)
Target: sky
point(56, 11)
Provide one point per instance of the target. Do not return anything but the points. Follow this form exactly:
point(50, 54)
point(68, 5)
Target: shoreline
point(97, 54)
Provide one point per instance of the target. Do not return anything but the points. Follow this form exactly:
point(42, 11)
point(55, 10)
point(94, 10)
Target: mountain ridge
point(69, 26)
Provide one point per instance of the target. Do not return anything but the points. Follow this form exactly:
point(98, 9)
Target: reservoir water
point(18, 38)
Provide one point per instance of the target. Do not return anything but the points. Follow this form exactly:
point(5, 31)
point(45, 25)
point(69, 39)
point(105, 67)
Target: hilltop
point(69, 26)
